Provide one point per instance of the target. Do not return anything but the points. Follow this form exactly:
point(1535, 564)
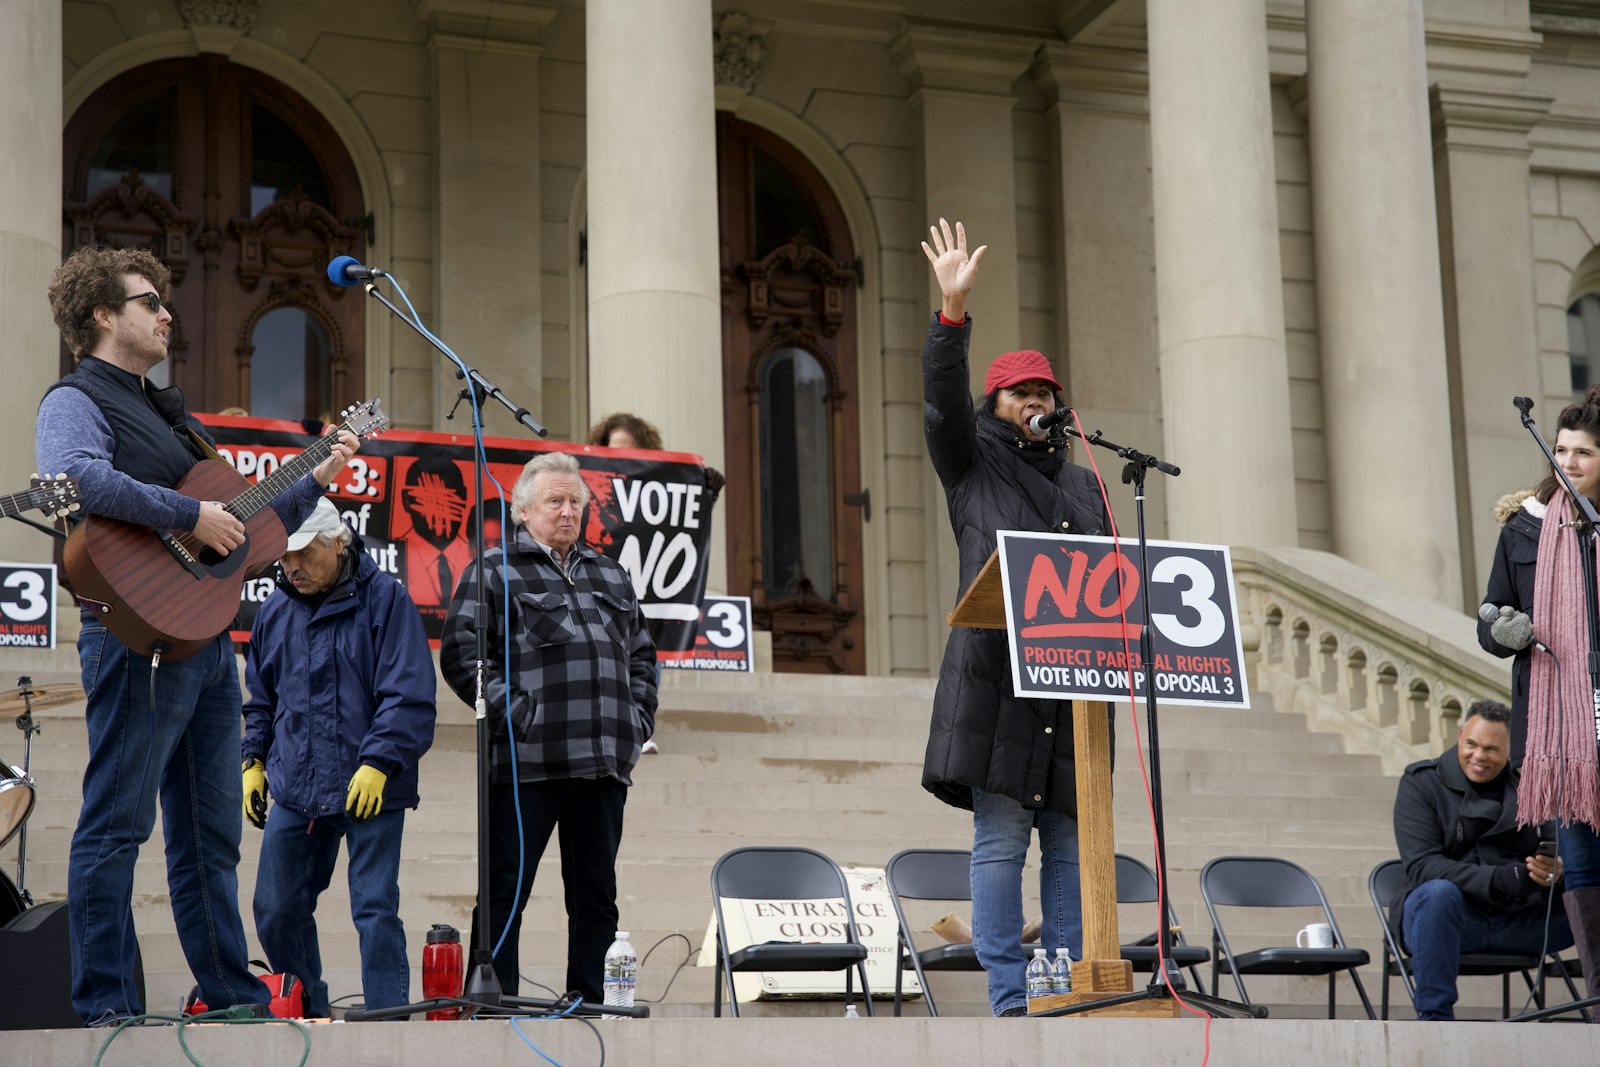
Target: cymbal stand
point(25, 723)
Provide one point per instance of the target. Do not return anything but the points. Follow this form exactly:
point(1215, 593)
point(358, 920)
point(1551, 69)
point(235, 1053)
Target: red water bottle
point(441, 968)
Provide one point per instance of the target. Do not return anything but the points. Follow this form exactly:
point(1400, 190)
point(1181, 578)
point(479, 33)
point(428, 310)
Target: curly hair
point(644, 435)
point(1582, 415)
point(92, 277)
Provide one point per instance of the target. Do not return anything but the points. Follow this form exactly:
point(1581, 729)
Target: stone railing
point(1334, 642)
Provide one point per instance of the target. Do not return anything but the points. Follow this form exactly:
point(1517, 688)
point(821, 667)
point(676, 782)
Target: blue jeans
point(186, 750)
point(1002, 829)
point(1441, 924)
point(297, 859)
point(1580, 856)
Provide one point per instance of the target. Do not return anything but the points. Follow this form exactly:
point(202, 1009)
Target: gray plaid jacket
point(582, 683)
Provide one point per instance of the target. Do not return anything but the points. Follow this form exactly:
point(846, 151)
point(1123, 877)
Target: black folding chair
point(763, 873)
point(928, 874)
point(1384, 884)
point(1136, 884)
point(1266, 882)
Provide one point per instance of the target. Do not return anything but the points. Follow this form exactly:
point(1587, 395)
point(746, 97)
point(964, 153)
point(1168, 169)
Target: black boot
point(1583, 914)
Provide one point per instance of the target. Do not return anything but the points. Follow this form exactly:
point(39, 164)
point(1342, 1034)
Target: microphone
point(348, 270)
point(1043, 424)
point(1490, 612)
point(1523, 404)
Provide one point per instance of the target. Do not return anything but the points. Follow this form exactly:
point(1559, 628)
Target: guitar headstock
point(54, 496)
point(365, 419)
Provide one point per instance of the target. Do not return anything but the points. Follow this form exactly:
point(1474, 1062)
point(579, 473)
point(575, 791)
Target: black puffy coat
point(981, 735)
point(1511, 583)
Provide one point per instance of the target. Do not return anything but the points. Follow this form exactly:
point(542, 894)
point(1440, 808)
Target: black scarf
point(1045, 456)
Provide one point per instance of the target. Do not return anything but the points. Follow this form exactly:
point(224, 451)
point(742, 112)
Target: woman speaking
point(1006, 758)
point(1536, 587)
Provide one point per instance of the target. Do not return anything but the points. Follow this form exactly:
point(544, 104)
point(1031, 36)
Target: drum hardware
point(16, 784)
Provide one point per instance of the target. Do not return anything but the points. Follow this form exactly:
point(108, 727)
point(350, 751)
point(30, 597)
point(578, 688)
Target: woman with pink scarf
point(1537, 583)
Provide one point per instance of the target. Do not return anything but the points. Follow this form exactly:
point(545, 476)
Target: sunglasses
point(152, 300)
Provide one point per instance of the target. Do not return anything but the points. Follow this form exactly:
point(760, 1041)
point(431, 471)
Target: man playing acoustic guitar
point(166, 727)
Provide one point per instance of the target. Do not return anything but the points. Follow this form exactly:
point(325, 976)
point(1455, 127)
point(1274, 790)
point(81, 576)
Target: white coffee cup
point(1317, 935)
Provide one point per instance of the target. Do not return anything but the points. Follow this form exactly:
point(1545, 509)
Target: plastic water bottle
point(1038, 976)
point(441, 968)
point(1061, 972)
point(850, 1011)
point(622, 973)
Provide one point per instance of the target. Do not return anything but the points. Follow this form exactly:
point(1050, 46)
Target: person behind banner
point(170, 729)
point(340, 712)
point(622, 429)
point(567, 713)
point(1476, 880)
point(1536, 590)
point(1007, 759)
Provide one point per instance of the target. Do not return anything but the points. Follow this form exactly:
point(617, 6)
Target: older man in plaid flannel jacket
point(567, 718)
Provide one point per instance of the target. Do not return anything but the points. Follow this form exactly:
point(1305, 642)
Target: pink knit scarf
point(1560, 724)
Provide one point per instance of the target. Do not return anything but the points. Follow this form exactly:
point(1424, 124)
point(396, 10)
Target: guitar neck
point(27, 500)
point(263, 492)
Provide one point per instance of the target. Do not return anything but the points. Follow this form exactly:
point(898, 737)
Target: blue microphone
point(348, 270)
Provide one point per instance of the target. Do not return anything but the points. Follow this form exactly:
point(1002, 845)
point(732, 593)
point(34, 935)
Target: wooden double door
point(795, 503)
point(245, 192)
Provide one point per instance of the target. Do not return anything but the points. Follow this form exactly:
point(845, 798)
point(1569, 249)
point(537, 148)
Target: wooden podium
point(1102, 973)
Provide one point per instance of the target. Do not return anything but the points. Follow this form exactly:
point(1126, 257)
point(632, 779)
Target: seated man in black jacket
point(1475, 880)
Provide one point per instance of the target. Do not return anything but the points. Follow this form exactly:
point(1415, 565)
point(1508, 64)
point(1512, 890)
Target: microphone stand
point(1586, 526)
point(482, 988)
point(1166, 979)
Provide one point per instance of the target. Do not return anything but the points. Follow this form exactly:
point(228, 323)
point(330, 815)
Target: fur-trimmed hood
point(1509, 504)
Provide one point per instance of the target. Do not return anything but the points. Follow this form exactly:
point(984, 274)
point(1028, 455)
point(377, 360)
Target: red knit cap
point(1014, 367)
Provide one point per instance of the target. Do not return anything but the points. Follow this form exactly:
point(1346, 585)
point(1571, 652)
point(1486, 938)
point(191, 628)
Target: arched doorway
point(245, 192)
point(790, 402)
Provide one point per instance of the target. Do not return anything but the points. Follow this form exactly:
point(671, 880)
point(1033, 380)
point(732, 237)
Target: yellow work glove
point(365, 798)
point(255, 793)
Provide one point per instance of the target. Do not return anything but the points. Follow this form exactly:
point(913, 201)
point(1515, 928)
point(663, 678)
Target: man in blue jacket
point(341, 709)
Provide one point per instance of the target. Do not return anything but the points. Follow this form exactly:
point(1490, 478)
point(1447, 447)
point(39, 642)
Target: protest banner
point(1074, 607)
point(723, 641)
point(27, 605)
point(409, 495)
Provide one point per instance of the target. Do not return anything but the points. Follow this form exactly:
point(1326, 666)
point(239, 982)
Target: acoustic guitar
point(53, 496)
point(163, 590)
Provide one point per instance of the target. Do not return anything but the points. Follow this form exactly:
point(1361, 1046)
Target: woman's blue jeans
point(1002, 831)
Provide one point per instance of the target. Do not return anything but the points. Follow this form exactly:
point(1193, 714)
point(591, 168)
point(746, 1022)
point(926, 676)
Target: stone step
point(680, 715)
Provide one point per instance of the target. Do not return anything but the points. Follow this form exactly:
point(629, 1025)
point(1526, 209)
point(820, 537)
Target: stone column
point(655, 301)
point(1100, 145)
point(1219, 285)
point(961, 105)
point(964, 170)
point(1480, 170)
point(30, 242)
point(1385, 388)
point(487, 252)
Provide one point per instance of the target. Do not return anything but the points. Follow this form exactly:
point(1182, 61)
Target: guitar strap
point(205, 447)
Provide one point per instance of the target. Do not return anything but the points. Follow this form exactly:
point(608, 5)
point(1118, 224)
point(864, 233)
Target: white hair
point(343, 536)
point(544, 463)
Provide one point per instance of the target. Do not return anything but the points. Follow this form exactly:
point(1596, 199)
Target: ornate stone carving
point(737, 51)
point(797, 278)
point(237, 15)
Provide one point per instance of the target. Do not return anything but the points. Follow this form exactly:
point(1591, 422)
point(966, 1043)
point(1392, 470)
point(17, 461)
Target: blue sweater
point(74, 438)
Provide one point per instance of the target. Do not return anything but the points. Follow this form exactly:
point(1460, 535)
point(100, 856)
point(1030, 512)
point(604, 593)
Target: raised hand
point(955, 270)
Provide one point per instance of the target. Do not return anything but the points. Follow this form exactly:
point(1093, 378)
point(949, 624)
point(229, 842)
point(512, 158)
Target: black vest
point(150, 426)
